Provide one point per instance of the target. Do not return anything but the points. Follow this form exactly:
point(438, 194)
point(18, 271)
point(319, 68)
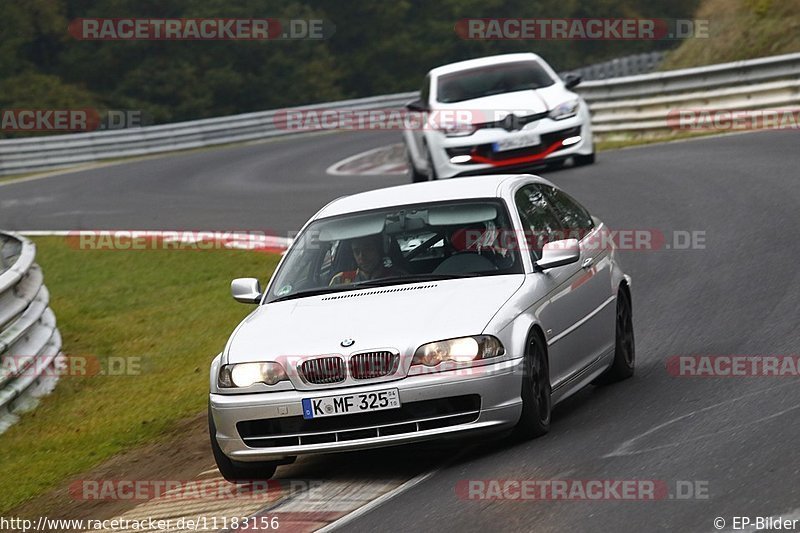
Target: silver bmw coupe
point(419, 312)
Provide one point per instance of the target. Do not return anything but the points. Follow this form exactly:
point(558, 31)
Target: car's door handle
point(587, 262)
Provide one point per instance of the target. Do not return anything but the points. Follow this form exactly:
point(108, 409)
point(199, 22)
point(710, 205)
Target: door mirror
point(559, 253)
point(417, 105)
point(572, 80)
point(246, 290)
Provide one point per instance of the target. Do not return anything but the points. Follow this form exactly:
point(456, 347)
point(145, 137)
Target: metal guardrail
point(736, 73)
point(630, 105)
point(44, 153)
point(619, 67)
point(30, 343)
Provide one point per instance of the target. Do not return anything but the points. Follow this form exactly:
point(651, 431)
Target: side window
point(573, 216)
point(538, 221)
point(425, 92)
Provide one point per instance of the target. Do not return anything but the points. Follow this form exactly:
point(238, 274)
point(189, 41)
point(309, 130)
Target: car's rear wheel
point(624, 362)
point(235, 471)
point(536, 392)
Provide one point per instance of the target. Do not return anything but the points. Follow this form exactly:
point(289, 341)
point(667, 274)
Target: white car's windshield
point(494, 79)
point(399, 245)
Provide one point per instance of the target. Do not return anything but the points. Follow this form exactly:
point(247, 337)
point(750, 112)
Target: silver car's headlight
point(460, 350)
point(565, 110)
point(246, 374)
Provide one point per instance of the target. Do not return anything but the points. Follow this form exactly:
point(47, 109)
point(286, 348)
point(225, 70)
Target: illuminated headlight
point(565, 110)
point(461, 350)
point(246, 374)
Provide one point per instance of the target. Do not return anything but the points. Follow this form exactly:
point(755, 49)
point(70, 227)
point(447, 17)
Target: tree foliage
point(379, 46)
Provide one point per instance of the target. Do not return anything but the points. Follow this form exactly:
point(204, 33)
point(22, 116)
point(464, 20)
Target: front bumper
point(483, 159)
point(497, 386)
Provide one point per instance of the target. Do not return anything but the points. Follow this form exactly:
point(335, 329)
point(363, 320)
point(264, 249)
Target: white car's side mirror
point(559, 253)
point(417, 105)
point(246, 290)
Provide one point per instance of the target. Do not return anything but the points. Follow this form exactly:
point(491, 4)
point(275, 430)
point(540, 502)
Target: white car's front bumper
point(483, 159)
point(264, 426)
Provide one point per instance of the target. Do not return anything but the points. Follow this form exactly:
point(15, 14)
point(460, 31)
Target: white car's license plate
point(346, 404)
point(517, 141)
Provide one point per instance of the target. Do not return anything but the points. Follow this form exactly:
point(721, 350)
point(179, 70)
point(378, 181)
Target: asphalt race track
point(737, 437)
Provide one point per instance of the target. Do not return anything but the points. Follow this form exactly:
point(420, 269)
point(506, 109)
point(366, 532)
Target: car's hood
point(400, 317)
point(497, 106)
point(528, 102)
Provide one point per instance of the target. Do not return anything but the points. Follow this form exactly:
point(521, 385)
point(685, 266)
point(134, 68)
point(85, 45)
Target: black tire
point(624, 363)
point(415, 175)
point(583, 160)
point(536, 392)
point(234, 471)
point(431, 170)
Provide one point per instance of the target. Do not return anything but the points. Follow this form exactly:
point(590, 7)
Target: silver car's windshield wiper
point(389, 280)
point(314, 292)
point(414, 278)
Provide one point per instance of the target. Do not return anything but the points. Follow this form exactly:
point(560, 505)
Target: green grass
point(740, 29)
point(171, 308)
point(604, 145)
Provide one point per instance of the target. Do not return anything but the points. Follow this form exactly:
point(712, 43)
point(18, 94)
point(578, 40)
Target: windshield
point(494, 79)
point(399, 245)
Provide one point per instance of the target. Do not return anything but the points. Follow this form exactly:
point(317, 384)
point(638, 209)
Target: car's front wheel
point(536, 392)
point(582, 160)
point(416, 175)
point(234, 471)
point(431, 170)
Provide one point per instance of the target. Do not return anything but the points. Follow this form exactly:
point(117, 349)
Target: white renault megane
point(504, 113)
point(418, 312)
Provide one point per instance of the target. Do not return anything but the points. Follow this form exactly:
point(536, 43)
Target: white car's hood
point(527, 102)
point(399, 316)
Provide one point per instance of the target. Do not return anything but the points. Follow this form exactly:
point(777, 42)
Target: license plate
point(347, 404)
point(517, 141)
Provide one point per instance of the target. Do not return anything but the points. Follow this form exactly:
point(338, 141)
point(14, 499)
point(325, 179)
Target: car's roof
point(432, 191)
point(483, 62)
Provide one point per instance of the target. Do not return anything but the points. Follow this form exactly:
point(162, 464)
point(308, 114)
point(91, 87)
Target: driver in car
point(368, 254)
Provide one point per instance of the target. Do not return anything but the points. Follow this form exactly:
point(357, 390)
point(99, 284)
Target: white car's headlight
point(565, 110)
point(247, 374)
point(461, 350)
point(458, 130)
